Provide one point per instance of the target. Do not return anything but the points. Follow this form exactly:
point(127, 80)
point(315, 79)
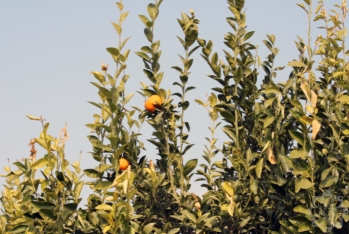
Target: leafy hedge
point(284, 167)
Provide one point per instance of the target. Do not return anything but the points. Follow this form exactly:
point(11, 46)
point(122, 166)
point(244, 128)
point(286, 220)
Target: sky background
point(49, 48)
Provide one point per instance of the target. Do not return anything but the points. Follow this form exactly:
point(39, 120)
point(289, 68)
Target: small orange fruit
point(123, 163)
point(152, 102)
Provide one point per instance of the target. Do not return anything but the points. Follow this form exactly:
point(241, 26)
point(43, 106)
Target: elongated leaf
point(190, 166)
point(148, 228)
point(113, 51)
point(344, 98)
point(189, 215)
point(77, 190)
point(117, 28)
point(103, 185)
point(244, 222)
point(145, 20)
point(103, 207)
point(228, 189)
point(92, 173)
point(148, 34)
point(40, 163)
point(259, 167)
point(19, 229)
point(152, 11)
point(296, 64)
point(297, 136)
point(269, 120)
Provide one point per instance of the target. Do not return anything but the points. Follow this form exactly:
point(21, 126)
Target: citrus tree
point(283, 167)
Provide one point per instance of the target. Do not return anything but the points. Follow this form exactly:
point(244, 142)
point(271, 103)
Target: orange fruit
point(152, 102)
point(123, 164)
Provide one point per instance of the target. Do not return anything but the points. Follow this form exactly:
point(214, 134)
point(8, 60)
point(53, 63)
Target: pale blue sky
point(48, 48)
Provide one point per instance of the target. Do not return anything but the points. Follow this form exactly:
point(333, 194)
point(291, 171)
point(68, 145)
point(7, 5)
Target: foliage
point(282, 169)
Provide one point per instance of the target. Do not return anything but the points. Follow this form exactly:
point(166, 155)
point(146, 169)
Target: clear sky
point(49, 48)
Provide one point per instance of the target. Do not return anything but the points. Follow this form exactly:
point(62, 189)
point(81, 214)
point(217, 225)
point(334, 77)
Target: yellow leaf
point(228, 189)
point(103, 207)
point(310, 109)
point(32, 117)
point(345, 132)
point(106, 229)
point(306, 119)
point(316, 128)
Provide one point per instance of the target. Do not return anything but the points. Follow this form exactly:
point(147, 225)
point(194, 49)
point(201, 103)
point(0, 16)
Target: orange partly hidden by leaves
point(123, 163)
point(152, 102)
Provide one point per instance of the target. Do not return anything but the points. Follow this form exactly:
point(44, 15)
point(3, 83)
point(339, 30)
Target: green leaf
point(47, 214)
point(71, 207)
point(259, 167)
point(123, 16)
point(344, 98)
point(299, 154)
point(143, 56)
point(303, 210)
point(322, 224)
point(148, 228)
point(269, 120)
point(188, 64)
point(92, 173)
point(117, 28)
point(190, 166)
point(103, 185)
point(345, 204)
point(184, 105)
point(248, 35)
point(153, 11)
point(120, 6)
point(329, 181)
point(187, 148)
point(296, 64)
point(42, 205)
point(230, 134)
point(148, 34)
point(244, 222)
point(303, 7)
point(99, 76)
point(297, 136)
point(305, 226)
point(235, 12)
point(307, 2)
point(150, 75)
point(228, 189)
point(254, 186)
point(77, 190)
point(189, 88)
point(302, 184)
point(113, 51)
point(145, 20)
point(40, 163)
point(189, 215)
point(19, 229)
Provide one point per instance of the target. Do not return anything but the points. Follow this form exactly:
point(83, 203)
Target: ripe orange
point(123, 163)
point(152, 102)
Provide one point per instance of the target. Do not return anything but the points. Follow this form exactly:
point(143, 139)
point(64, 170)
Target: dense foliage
point(284, 167)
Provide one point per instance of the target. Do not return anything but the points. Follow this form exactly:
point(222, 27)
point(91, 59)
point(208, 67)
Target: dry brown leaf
point(271, 157)
point(316, 128)
point(305, 88)
point(313, 99)
point(197, 205)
